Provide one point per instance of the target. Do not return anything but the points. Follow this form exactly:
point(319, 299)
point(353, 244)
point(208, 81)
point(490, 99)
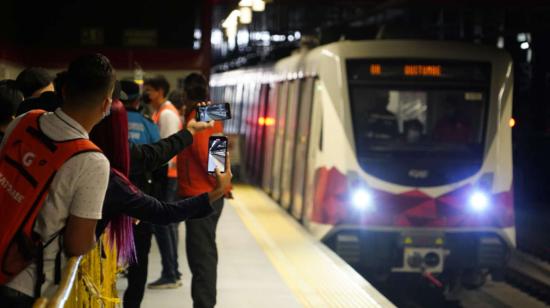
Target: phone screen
point(217, 152)
point(214, 112)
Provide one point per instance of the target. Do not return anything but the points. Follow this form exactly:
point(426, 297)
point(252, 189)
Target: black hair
point(88, 80)
point(196, 87)
point(32, 79)
point(158, 83)
point(131, 88)
point(177, 97)
point(196, 90)
point(10, 98)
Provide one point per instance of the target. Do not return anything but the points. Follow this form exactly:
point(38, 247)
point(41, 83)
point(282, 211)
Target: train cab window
point(404, 120)
point(402, 115)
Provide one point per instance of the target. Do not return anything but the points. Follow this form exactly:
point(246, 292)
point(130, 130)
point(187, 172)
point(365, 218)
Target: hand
point(202, 104)
point(193, 126)
point(223, 182)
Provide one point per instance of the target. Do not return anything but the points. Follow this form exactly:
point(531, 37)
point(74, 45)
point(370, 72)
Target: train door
point(229, 97)
point(302, 136)
point(235, 138)
point(315, 146)
point(244, 126)
point(259, 149)
point(269, 141)
point(251, 133)
point(280, 121)
point(289, 142)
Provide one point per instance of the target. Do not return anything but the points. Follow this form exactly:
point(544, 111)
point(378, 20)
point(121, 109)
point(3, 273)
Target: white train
point(395, 153)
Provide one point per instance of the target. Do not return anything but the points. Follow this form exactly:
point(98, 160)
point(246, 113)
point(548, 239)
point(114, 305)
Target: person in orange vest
point(166, 116)
point(67, 178)
point(193, 180)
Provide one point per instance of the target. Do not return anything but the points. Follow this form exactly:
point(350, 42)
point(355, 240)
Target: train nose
point(432, 259)
point(414, 260)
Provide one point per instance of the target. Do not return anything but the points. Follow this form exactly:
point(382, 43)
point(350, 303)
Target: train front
point(428, 185)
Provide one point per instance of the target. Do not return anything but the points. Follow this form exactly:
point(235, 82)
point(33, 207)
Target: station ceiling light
point(232, 20)
point(258, 5)
point(246, 3)
point(245, 15)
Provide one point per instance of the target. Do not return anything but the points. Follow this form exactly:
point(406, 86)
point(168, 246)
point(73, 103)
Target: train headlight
point(361, 199)
point(479, 201)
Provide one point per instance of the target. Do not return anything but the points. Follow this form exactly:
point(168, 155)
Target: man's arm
point(86, 206)
point(149, 157)
point(79, 235)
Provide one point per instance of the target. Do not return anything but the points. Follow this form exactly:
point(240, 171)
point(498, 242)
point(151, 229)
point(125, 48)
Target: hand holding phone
point(217, 154)
point(214, 112)
point(223, 183)
point(193, 126)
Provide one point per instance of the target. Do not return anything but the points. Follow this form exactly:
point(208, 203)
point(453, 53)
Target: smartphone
point(217, 153)
point(214, 112)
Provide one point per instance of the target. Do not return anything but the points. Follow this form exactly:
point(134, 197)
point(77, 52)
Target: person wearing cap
point(166, 116)
point(33, 81)
point(141, 129)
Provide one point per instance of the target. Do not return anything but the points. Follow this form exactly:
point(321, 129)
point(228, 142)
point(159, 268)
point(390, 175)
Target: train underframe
point(447, 259)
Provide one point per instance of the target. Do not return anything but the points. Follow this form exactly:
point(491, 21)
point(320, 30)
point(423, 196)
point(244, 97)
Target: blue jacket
point(140, 129)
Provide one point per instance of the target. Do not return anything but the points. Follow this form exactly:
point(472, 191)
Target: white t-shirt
point(169, 122)
point(77, 189)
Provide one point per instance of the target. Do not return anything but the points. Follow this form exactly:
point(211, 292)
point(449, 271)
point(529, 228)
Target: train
point(397, 154)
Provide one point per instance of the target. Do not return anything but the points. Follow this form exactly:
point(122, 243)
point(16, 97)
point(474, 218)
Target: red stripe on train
point(410, 209)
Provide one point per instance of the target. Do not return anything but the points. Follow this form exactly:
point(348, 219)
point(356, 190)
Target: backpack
point(29, 161)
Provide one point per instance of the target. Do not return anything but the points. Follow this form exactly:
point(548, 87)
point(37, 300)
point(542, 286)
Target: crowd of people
point(82, 152)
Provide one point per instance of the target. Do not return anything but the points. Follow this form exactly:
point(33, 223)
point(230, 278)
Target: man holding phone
point(194, 179)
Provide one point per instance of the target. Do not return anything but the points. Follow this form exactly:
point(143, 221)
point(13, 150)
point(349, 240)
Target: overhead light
point(245, 15)
point(217, 37)
point(258, 5)
point(524, 45)
point(231, 31)
point(232, 20)
point(246, 3)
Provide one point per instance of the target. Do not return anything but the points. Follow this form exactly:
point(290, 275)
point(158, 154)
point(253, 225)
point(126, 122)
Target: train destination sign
point(362, 69)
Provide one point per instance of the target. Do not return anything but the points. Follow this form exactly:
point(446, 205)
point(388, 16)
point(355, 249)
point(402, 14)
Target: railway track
point(527, 285)
point(530, 275)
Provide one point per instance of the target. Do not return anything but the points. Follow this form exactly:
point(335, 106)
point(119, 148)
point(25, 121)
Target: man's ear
point(105, 104)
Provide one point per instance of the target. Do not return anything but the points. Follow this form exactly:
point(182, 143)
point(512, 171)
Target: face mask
point(145, 99)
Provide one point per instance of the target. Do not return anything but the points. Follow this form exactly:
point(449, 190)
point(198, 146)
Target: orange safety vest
point(173, 163)
point(29, 161)
point(193, 178)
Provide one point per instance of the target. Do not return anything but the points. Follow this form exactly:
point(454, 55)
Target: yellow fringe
point(96, 283)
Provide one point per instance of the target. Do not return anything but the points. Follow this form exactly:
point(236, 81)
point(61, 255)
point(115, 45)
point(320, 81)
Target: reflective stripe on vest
point(29, 161)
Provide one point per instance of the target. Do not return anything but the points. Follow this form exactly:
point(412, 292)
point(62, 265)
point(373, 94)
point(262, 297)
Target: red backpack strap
point(29, 161)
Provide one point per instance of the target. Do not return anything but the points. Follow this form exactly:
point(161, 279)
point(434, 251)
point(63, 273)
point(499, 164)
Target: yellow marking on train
point(408, 240)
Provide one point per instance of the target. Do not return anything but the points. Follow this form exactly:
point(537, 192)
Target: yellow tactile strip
point(316, 276)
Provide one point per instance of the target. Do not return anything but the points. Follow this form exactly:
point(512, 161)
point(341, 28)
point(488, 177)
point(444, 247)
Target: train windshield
point(425, 113)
